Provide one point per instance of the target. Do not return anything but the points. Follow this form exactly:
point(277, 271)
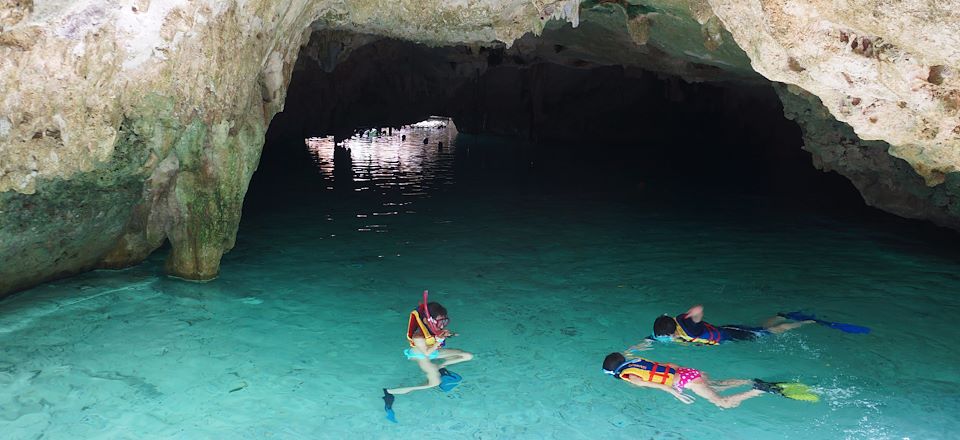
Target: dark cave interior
point(618, 120)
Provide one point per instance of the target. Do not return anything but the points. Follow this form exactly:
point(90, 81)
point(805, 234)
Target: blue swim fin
point(848, 328)
point(449, 380)
point(388, 405)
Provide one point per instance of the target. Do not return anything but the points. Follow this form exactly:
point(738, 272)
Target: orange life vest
point(647, 371)
point(413, 324)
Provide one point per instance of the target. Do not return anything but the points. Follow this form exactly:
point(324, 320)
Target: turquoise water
point(544, 268)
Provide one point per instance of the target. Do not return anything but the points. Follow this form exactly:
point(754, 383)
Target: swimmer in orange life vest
point(690, 327)
point(427, 332)
point(674, 379)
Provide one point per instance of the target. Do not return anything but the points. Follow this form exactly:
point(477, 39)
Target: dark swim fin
point(388, 405)
point(790, 390)
point(762, 385)
point(449, 380)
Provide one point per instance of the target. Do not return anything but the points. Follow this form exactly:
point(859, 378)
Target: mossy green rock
point(124, 126)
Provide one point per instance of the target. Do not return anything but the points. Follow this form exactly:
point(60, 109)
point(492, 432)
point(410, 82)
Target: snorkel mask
point(616, 372)
point(435, 324)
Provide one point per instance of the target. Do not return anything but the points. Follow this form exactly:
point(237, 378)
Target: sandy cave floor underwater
point(305, 324)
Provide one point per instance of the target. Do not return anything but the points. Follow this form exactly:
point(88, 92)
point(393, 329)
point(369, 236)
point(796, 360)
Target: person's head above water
point(612, 361)
point(437, 311)
point(436, 316)
point(664, 326)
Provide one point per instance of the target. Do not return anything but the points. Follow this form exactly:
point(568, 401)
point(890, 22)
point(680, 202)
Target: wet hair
point(436, 309)
point(664, 326)
point(612, 361)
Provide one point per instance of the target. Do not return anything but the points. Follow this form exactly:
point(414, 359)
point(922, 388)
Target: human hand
point(683, 398)
point(695, 313)
point(644, 345)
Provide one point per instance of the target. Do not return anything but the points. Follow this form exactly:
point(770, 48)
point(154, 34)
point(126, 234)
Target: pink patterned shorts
point(685, 376)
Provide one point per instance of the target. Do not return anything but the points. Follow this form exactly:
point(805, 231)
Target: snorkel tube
point(431, 323)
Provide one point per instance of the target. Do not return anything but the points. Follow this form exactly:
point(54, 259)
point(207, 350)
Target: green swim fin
point(790, 390)
point(798, 391)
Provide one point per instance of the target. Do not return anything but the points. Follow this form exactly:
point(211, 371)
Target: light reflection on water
point(400, 166)
point(385, 162)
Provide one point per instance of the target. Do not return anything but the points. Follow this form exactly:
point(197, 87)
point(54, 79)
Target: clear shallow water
point(543, 272)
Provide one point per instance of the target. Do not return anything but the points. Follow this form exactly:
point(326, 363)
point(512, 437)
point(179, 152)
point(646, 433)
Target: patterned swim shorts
point(685, 376)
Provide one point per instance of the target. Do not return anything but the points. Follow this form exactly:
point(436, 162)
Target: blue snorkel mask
point(662, 338)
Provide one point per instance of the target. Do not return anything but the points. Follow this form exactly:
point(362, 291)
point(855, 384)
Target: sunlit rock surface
point(127, 123)
point(886, 68)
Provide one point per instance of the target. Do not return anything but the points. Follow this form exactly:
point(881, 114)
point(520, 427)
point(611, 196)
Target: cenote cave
point(490, 219)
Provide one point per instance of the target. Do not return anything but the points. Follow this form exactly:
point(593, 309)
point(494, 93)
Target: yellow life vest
point(415, 322)
point(648, 371)
point(713, 335)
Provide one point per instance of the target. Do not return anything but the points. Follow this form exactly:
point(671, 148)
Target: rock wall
point(127, 123)
point(124, 123)
point(888, 69)
point(122, 134)
point(884, 180)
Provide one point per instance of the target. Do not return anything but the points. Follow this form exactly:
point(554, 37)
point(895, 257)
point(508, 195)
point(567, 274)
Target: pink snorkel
point(432, 323)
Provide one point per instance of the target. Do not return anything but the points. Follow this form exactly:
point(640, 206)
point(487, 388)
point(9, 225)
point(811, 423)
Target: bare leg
point(433, 377)
point(452, 356)
point(721, 385)
point(787, 326)
point(702, 389)
point(773, 321)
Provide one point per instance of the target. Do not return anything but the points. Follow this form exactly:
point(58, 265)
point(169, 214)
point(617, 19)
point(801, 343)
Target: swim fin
point(388, 405)
point(790, 390)
point(848, 328)
point(798, 391)
point(449, 380)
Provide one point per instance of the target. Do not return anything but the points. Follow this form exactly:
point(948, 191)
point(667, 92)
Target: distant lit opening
point(400, 164)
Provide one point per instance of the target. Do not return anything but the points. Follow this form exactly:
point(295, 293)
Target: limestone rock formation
point(125, 123)
point(884, 180)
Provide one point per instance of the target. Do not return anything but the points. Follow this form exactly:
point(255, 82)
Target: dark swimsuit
point(731, 332)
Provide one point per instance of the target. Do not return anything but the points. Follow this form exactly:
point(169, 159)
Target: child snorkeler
point(691, 328)
point(427, 333)
point(675, 379)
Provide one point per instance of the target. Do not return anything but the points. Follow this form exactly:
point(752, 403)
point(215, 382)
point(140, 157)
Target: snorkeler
point(674, 379)
point(690, 327)
point(427, 333)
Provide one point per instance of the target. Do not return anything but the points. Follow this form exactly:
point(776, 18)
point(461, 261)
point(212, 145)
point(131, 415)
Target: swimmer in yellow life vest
point(675, 379)
point(690, 327)
point(427, 333)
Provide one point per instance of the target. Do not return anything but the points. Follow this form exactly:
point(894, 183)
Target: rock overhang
point(192, 85)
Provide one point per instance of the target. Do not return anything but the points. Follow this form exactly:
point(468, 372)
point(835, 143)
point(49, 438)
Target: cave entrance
point(572, 124)
point(402, 161)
